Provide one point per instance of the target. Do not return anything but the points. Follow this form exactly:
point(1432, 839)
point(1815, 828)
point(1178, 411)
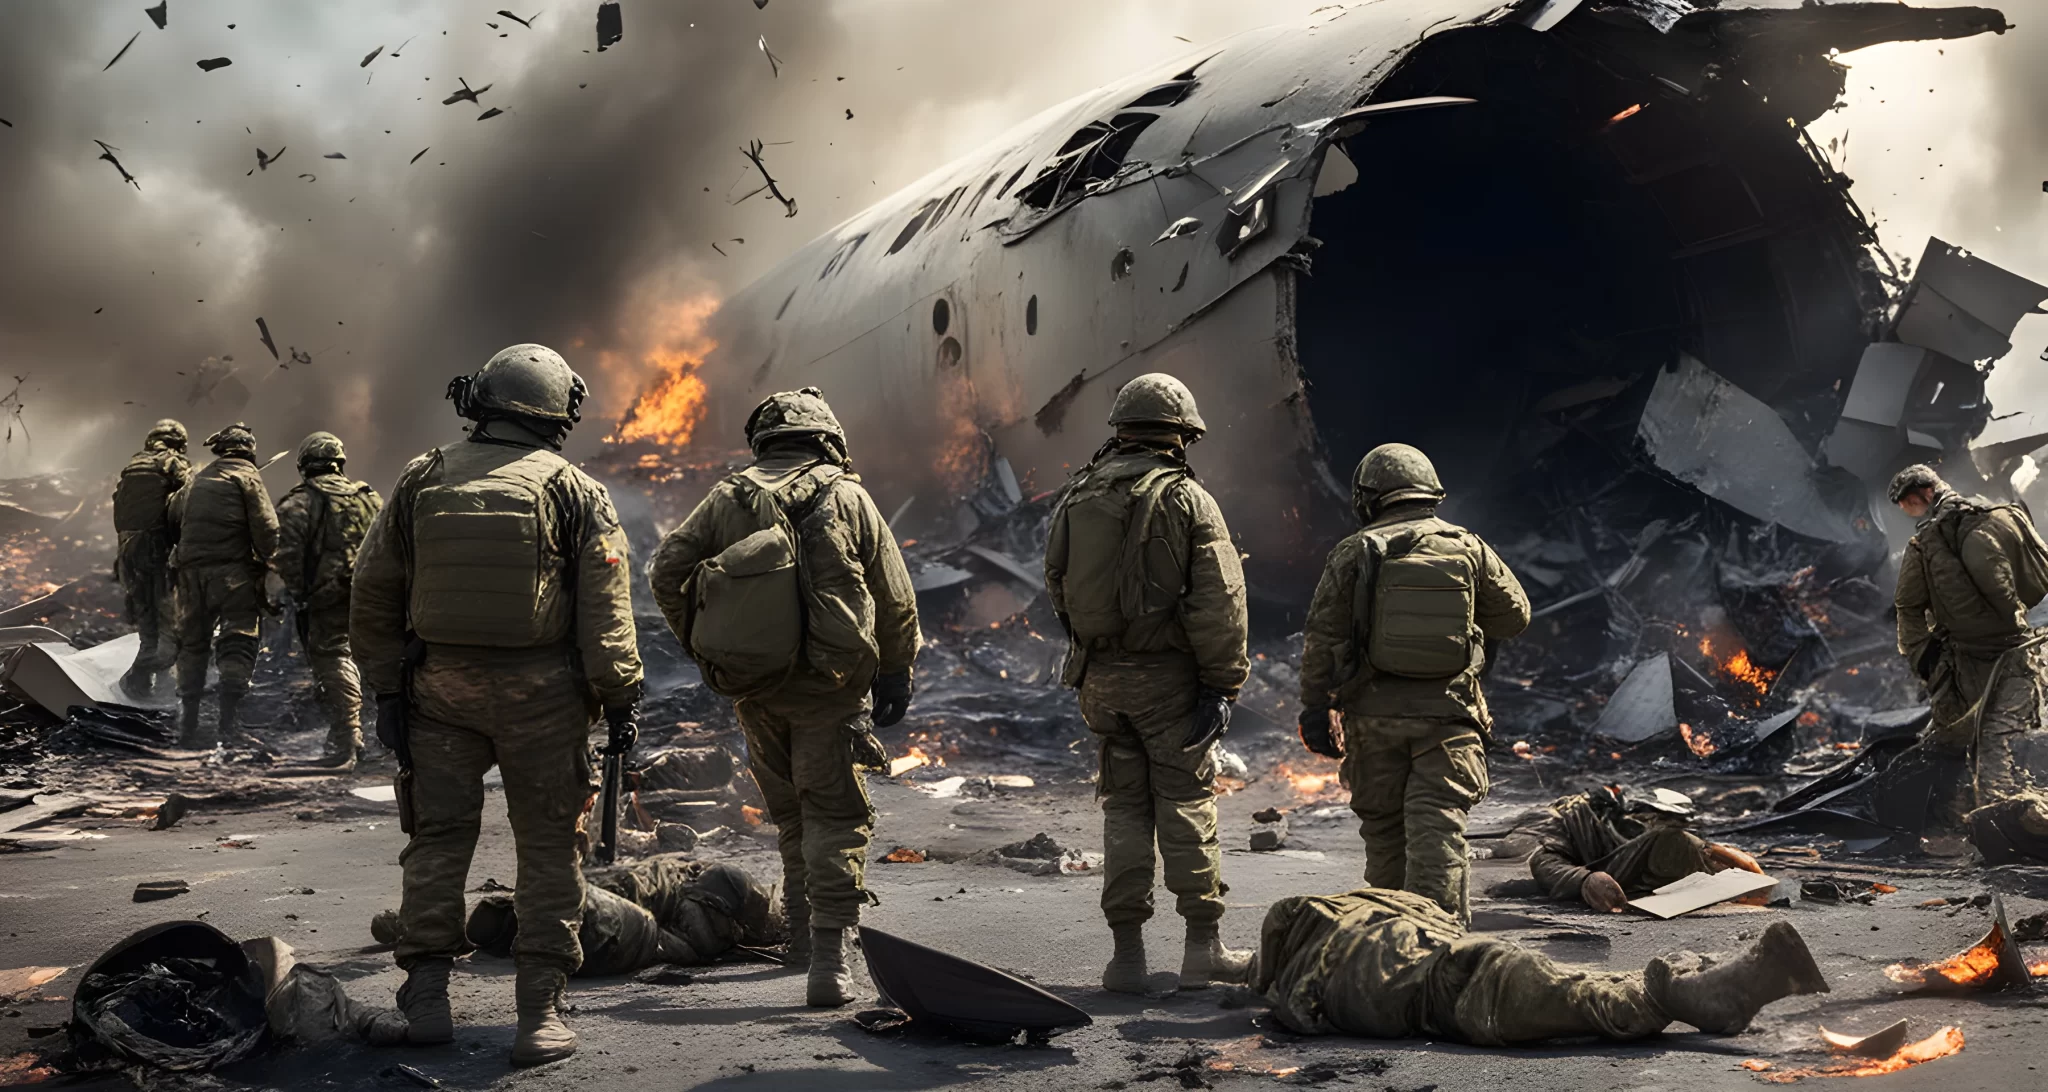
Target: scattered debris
point(370, 56)
point(1701, 889)
point(171, 812)
point(753, 153)
point(960, 997)
point(465, 94)
point(526, 22)
point(774, 62)
point(124, 50)
point(904, 855)
point(154, 890)
point(16, 982)
point(264, 160)
point(1642, 708)
point(489, 114)
point(1993, 963)
point(415, 1076)
point(211, 63)
point(179, 996)
point(61, 678)
point(107, 153)
point(611, 25)
point(1878, 1044)
point(417, 155)
point(1269, 830)
point(1941, 1044)
point(1186, 225)
point(263, 328)
point(160, 14)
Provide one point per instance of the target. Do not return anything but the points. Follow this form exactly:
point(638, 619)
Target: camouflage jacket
point(321, 526)
point(861, 611)
point(1956, 580)
point(594, 558)
point(223, 517)
point(142, 499)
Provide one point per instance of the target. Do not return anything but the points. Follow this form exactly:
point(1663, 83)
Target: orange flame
point(1306, 782)
point(674, 346)
point(1941, 1044)
point(1697, 741)
point(1738, 667)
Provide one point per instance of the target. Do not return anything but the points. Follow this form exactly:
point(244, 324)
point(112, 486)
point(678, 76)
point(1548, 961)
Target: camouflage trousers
point(323, 636)
point(524, 711)
point(151, 591)
point(1413, 780)
point(799, 747)
point(224, 597)
point(1992, 741)
point(1658, 856)
point(1152, 791)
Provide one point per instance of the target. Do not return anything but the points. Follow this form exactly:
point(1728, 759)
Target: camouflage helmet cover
point(1156, 398)
point(235, 438)
point(169, 433)
point(322, 448)
point(791, 413)
point(1917, 476)
point(1392, 473)
point(525, 380)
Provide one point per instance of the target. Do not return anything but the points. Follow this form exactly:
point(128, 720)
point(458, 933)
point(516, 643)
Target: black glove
point(391, 720)
point(892, 698)
point(625, 729)
point(867, 750)
point(1316, 734)
point(1212, 719)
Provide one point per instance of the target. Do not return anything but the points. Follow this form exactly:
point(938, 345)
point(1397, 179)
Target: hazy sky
point(605, 182)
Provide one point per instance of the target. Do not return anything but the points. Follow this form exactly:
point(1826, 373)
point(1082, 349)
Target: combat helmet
point(793, 413)
point(528, 381)
point(1390, 474)
point(321, 453)
point(167, 433)
point(1917, 476)
point(236, 439)
point(1157, 398)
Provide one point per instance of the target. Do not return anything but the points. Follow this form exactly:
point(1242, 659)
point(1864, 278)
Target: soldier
point(1966, 580)
point(1602, 848)
point(855, 636)
point(143, 561)
point(492, 620)
point(321, 524)
point(1394, 965)
point(1396, 639)
point(1143, 575)
point(226, 532)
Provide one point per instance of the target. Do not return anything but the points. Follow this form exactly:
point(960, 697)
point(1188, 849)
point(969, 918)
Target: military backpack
point(2029, 566)
point(345, 511)
point(1415, 601)
point(143, 493)
point(1117, 576)
point(490, 564)
point(747, 611)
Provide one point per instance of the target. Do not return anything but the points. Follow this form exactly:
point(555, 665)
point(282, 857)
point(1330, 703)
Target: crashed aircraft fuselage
point(1622, 191)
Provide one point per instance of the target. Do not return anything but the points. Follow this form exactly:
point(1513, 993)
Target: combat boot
point(796, 908)
point(230, 704)
point(138, 682)
point(1127, 970)
point(831, 983)
point(1720, 994)
point(344, 747)
point(190, 735)
point(542, 1036)
point(424, 1001)
point(1205, 962)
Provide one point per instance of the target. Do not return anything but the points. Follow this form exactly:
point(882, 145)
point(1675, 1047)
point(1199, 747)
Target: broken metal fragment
point(416, 155)
point(160, 14)
point(1186, 225)
point(489, 114)
point(960, 997)
point(211, 63)
point(1993, 963)
point(611, 25)
point(753, 153)
point(334, 155)
point(1964, 307)
point(107, 153)
point(526, 22)
point(124, 50)
point(263, 328)
point(1701, 889)
point(774, 62)
point(464, 93)
point(1877, 1044)
point(264, 161)
point(153, 890)
point(370, 56)
point(1642, 706)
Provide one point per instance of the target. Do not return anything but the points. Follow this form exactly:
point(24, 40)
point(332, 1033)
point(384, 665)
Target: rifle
point(401, 731)
point(616, 749)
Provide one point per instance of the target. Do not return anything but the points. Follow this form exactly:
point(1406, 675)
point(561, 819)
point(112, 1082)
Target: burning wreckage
point(1693, 370)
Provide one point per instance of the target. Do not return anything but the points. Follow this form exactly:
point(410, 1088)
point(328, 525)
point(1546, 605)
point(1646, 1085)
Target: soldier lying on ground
point(1395, 965)
point(1603, 848)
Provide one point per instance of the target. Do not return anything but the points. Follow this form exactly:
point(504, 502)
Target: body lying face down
point(1394, 965)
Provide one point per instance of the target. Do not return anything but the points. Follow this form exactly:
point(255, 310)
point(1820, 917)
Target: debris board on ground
point(1701, 889)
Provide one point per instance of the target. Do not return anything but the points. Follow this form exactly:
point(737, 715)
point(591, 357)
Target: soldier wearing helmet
point(321, 525)
point(1394, 645)
point(226, 531)
point(1966, 581)
point(491, 616)
point(142, 562)
point(1142, 573)
point(810, 681)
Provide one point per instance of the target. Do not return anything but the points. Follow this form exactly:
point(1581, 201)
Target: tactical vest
point(1118, 576)
point(747, 617)
point(491, 564)
point(142, 495)
point(343, 511)
point(1415, 600)
point(1960, 606)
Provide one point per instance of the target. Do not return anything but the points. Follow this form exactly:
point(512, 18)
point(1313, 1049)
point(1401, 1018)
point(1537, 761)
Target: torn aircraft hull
point(1430, 222)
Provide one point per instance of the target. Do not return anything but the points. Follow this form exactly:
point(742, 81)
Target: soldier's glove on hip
point(1316, 734)
point(892, 697)
point(625, 729)
point(1212, 719)
point(390, 719)
point(867, 750)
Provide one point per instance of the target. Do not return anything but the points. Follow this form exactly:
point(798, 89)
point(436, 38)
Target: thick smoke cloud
point(599, 193)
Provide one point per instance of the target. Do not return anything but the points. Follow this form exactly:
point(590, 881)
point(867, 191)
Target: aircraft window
point(981, 193)
point(942, 316)
point(1089, 158)
point(916, 224)
point(842, 256)
point(1166, 94)
point(946, 209)
point(1019, 173)
point(1031, 315)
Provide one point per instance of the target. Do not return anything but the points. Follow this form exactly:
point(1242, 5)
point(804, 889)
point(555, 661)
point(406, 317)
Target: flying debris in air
point(720, 250)
point(212, 63)
point(332, 155)
point(774, 62)
point(370, 56)
point(753, 153)
point(160, 14)
point(526, 22)
point(465, 93)
point(416, 156)
point(611, 25)
point(264, 328)
point(107, 153)
point(298, 358)
point(759, 4)
point(9, 124)
point(492, 25)
point(124, 50)
point(310, 177)
point(264, 160)
point(489, 114)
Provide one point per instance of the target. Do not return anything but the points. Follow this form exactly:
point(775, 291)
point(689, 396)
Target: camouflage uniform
point(1394, 965)
point(1588, 832)
point(321, 525)
point(143, 559)
point(664, 909)
point(1961, 619)
point(1141, 687)
point(543, 649)
point(227, 531)
point(861, 628)
point(1414, 749)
